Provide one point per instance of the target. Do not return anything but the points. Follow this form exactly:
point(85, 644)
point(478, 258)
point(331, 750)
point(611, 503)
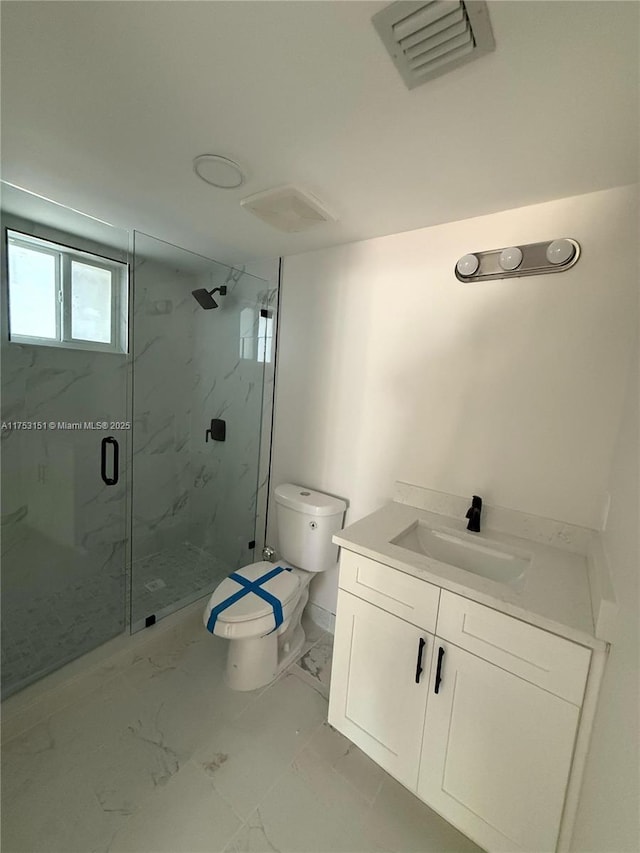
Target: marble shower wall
point(163, 381)
point(190, 366)
point(229, 386)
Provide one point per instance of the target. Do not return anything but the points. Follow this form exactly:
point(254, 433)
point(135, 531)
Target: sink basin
point(480, 556)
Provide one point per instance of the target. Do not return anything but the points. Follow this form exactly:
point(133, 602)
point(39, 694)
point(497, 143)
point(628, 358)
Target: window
point(265, 335)
point(64, 297)
point(252, 334)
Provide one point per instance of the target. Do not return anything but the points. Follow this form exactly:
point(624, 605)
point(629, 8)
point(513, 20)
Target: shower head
point(205, 297)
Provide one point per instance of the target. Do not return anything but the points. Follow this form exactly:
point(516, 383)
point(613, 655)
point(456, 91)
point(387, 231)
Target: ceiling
point(105, 105)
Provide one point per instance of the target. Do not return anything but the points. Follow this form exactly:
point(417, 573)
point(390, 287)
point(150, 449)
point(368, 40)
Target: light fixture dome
point(218, 171)
point(468, 265)
point(560, 251)
point(511, 258)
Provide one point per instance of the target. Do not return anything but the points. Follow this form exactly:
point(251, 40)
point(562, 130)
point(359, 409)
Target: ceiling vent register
point(426, 40)
point(288, 209)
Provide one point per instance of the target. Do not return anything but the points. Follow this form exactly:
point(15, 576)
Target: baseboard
point(323, 618)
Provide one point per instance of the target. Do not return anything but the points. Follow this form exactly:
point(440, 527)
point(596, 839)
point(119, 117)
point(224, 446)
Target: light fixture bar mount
point(514, 261)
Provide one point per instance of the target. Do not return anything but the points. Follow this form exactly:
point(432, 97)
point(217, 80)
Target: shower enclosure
point(134, 431)
point(198, 382)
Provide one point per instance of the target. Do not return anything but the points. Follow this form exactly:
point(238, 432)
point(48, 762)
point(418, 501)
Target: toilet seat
point(251, 607)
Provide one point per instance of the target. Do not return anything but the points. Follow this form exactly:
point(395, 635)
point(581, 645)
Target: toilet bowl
point(259, 607)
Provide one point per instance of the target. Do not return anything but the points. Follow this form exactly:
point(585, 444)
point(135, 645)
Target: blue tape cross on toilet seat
point(248, 587)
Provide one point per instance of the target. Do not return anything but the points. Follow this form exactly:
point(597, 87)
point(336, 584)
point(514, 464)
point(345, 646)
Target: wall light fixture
point(533, 259)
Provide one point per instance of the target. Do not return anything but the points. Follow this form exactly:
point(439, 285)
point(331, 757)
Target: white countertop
point(555, 593)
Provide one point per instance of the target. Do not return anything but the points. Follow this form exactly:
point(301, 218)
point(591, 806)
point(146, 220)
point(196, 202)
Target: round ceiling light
point(218, 171)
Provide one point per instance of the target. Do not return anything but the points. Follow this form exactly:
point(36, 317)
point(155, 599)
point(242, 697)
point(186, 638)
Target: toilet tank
point(306, 522)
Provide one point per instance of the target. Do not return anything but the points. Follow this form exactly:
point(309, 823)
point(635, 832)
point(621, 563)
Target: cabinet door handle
point(436, 688)
point(421, 646)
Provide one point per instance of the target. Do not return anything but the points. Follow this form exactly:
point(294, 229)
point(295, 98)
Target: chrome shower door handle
point(109, 481)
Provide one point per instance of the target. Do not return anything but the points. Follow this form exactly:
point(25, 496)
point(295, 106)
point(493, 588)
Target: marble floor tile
point(244, 756)
point(185, 816)
point(314, 666)
point(64, 740)
point(314, 809)
point(402, 823)
point(57, 814)
point(310, 809)
point(348, 761)
point(188, 671)
point(164, 757)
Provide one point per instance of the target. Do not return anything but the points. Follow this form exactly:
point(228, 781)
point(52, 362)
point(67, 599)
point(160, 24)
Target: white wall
point(389, 368)
point(608, 817)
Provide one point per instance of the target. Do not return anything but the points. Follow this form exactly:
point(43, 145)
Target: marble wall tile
point(163, 328)
point(230, 387)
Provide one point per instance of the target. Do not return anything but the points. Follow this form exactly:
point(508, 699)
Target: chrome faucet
point(473, 514)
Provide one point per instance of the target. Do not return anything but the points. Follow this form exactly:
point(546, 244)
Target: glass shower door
point(197, 421)
point(64, 435)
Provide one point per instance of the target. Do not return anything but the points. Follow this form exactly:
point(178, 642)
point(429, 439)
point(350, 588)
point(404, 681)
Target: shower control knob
point(268, 553)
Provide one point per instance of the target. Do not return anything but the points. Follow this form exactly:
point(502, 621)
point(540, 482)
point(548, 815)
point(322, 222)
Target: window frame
point(65, 255)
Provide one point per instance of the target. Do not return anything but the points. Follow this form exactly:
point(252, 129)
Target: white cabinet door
point(375, 699)
point(496, 754)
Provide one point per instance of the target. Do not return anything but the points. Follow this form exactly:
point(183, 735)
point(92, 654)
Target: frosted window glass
point(90, 303)
point(32, 292)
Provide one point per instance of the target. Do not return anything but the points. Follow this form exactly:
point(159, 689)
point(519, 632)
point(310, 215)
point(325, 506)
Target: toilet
point(258, 608)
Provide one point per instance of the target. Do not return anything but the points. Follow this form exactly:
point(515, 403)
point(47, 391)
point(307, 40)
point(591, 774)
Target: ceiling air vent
point(429, 39)
point(288, 209)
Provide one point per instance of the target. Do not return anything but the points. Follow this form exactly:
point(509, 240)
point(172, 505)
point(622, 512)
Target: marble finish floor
point(154, 753)
point(171, 579)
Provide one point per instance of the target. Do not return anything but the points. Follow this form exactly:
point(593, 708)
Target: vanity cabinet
point(379, 683)
point(496, 754)
point(485, 733)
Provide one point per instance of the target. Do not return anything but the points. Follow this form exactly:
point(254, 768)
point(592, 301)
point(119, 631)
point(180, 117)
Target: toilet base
point(257, 661)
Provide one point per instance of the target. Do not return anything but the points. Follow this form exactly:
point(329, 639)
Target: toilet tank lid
point(307, 501)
